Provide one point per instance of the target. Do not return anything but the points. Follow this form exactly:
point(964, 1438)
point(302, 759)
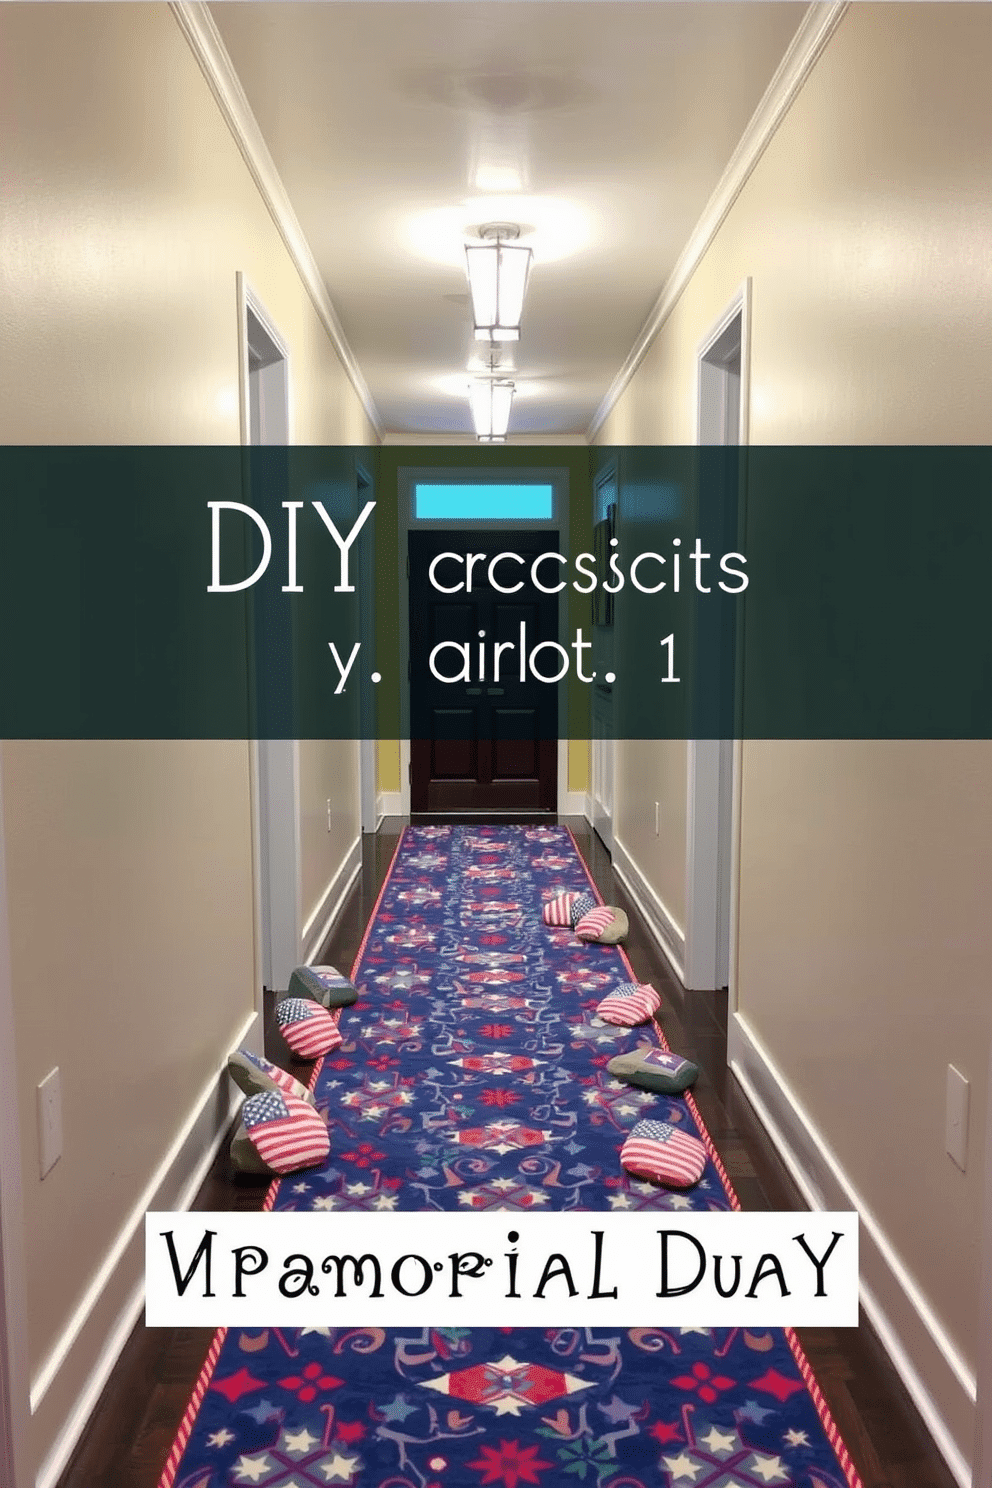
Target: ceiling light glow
point(489, 400)
point(555, 229)
point(498, 179)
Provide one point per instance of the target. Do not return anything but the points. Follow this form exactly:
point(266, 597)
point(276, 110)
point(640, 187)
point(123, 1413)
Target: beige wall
point(129, 894)
point(646, 771)
point(328, 773)
point(863, 229)
point(865, 943)
point(128, 211)
point(865, 939)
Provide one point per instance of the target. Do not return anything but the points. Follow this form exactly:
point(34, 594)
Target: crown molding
point(207, 46)
point(513, 441)
point(817, 27)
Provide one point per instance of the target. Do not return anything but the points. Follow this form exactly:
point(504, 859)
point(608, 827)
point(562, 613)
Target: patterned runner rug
point(473, 1076)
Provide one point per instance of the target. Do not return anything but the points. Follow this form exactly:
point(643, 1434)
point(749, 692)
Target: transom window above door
point(477, 502)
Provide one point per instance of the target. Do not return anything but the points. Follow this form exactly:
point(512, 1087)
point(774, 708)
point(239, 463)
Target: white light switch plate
point(49, 1121)
point(957, 1116)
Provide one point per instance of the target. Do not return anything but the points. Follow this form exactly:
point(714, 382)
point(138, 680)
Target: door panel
point(488, 741)
point(454, 758)
point(514, 757)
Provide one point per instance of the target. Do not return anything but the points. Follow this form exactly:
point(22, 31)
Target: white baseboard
point(389, 803)
point(172, 1187)
point(573, 803)
point(318, 926)
point(666, 930)
point(900, 1313)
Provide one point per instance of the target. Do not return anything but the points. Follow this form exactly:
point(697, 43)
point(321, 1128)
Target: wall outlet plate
point(957, 1116)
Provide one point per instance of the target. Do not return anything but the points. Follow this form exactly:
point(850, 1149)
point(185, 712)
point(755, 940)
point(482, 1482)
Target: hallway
point(752, 224)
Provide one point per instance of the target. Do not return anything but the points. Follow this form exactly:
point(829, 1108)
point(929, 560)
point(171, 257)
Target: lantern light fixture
point(498, 268)
point(489, 400)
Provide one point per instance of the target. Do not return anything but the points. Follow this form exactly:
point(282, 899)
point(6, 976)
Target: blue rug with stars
point(473, 1076)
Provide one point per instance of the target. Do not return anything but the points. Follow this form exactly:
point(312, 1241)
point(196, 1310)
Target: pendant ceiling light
point(497, 275)
point(489, 399)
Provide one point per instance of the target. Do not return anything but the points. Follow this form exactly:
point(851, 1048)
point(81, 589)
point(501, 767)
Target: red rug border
point(378, 900)
point(823, 1411)
point(192, 1410)
point(805, 1368)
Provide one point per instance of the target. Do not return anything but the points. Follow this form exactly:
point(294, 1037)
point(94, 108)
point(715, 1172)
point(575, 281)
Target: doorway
point(603, 748)
point(713, 765)
point(482, 744)
point(367, 754)
point(265, 421)
point(487, 742)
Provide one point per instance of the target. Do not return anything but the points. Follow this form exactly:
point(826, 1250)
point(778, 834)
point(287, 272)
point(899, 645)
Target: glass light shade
point(497, 278)
point(489, 400)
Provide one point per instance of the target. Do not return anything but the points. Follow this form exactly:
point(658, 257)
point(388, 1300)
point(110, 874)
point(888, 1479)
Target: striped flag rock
point(558, 911)
point(661, 1152)
point(252, 1073)
point(308, 1028)
point(630, 1003)
point(595, 922)
point(286, 1133)
point(582, 904)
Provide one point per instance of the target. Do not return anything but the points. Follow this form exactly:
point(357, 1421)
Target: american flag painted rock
point(654, 1069)
point(308, 1028)
point(661, 1152)
point(253, 1074)
point(630, 1003)
point(323, 984)
point(286, 1133)
point(558, 911)
point(582, 904)
point(595, 922)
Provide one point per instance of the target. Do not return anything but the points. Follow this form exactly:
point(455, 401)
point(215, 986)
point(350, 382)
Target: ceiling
point(399, 127)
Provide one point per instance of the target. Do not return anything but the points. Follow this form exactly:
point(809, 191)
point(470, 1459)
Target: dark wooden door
point(488, 742)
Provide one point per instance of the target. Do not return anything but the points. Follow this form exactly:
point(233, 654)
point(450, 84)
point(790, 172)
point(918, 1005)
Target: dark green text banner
point(265, 593)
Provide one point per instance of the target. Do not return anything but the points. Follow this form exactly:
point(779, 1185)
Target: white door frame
point(367, 770)
point(275, 763)
point(713, 765)
point(367, 785)
point(602, 751)
point(14, 1371)
point(602, 795)
point(982, 1472)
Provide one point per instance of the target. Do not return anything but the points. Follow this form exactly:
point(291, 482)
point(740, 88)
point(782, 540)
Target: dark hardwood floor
point(132, 1429)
